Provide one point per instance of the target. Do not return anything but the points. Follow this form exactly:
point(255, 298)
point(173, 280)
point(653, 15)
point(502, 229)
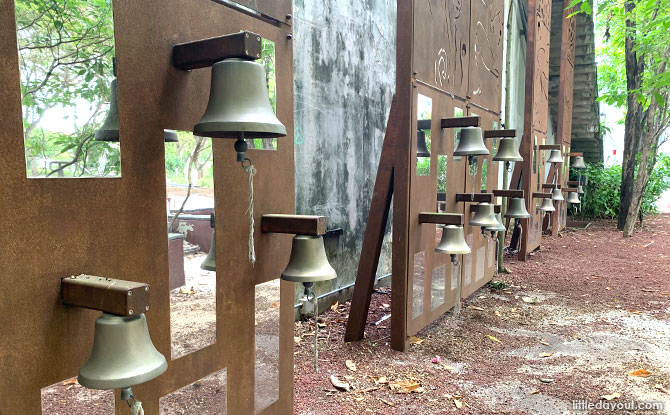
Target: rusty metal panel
point(441, 49)
point(541, 70)
point(486, 53)
point(116, 227)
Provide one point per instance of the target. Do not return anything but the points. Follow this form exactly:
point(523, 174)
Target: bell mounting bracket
point(441, 218)
point(576, 154)
point(570, 190)
point(476, 198)
point(551, 186)
point(549, 147)
point(460, 122)
point(496, 209)
point(542, 195)
point(206, 52)
point(294, 224)
point(508, 193)
point(574, 183)
point(499, 133)
point(119, 297)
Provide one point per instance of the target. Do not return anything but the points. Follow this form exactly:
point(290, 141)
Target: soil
point(573, 321)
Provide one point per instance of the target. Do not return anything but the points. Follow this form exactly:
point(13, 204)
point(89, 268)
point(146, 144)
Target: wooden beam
point(297, 224)
point(551, 186)
point(542, 195)
point(574, 183)
point(499, 133)
point(476, 198)
point(119, 297)
point(206, 52)
point(549, 147)
point(460, 122)
point(508, 193)
point(576, 154)
point(441, 218)
point(570, 190)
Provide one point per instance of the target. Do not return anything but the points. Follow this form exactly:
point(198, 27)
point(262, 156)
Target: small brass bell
point(500, 227)
point(578, 163)
point(557, 195)
point(122, 354)
point(517, 209)
point(110, 128)
point(239, 105)
point(471, 143)
point(547, 205)
point(170, 136)
point(507, 151)
point(453, 241)
point(308, 262)
point(484, 216)
point(209, 263)
point(573, 198)
point(555, 157)
point(580, 190)
point(421, 147)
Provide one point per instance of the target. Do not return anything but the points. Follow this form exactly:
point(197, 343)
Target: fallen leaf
point(458, 403)
point(546, 380)
point(381, 381)
point(476, 308)
point(183, 290)
point(640, 373)
point(386, 402)
point(275, 304)
point(339, 384)
point(350, 365)
point(415, 340)
point(546, 354)
point(535, 392)
point(71, 381)
point(406, 386)
point(493, 338)
point(297, 340)
point(497, 313)
point(358, 398)
point(370, 389)
point(335, 306)
point(607, 288)
point(529, 300)
point(614, 395)
point(661, 388)
point(544, 342)
point(451, 368)
point(436, 359)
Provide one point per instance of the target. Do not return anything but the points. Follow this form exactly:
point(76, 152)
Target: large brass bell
point(517, 209)
point(499, 227)
point(471, 143)
point(557, 195)
point(453, 241)
point(122, 354)
point(421, 147)
point(578, 163)
point(484, 216)
point(547, 205)
point(209, 263)
point(555, 157)
point(170, 136)
point(573, 198)
point(110, 128)
point(308, 262)
point(239, 103)
point(507, 151)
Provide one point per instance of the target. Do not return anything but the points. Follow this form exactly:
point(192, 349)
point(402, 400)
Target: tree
point(65, 56)
point(636, 36)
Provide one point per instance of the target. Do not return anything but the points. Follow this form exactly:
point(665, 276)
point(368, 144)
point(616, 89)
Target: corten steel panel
point(486, 46)
point(116, 227)
point(535, 117)
point(279, 10)
point(441, 49)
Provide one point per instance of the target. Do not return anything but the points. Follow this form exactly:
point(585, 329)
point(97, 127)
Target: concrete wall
point(344, 80)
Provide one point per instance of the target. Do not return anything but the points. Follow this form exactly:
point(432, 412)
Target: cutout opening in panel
point(458, 112)
point(266, 385)
point(205, 396)
point(68, 96)
point(190, 204)
point(69, 397)
point(424, 112)
point(418, 283)
point(268, 61)
point(534, 154)
point(485, 174)
point(439, 288)
point(442, 173)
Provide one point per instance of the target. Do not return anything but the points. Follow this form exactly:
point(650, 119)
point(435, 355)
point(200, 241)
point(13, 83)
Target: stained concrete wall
point(344, 80)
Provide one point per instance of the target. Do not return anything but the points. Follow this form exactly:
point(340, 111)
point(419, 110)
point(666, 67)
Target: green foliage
point(178, 155)
point(601, 198)
point(497, 285)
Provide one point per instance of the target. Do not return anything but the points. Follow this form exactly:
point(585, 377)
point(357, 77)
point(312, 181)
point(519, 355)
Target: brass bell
point(555, 157)
point(453, 241)
point(239, 103)
point(122, 354)
point(209, 263)
point(517, 209)
point(578, 163)
point(557, 195)
point(308, 262)
point(471, 143)
point(499, 227)
point(170, 136)
point(421, 147)
point(484, 216)
point(573, 198)
point(507, 151)
point(580, 190)
point(547, 205)
point(110, 128)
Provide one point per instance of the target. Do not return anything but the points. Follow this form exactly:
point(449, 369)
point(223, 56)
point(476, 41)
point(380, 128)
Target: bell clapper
point(136, 406)
point(311, 297)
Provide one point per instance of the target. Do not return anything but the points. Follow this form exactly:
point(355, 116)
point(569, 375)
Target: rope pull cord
point(249, 168)
point(134, 405)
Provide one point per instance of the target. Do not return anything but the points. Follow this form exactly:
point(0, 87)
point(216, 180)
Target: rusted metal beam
point(570, 190)
point(576, 154)
point(542, 195)
point(123, 298)
point(549, 147)
point(573, 183)
point(476, 198)
point(551, 186)
point(508, 193)
point(499, 133)
point(496, 208)
point(298, 224)
point(206, 52)
point(460, 122)
point(441, 218)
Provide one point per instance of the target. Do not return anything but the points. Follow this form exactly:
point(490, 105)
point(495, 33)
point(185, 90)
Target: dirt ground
point(573, 322)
